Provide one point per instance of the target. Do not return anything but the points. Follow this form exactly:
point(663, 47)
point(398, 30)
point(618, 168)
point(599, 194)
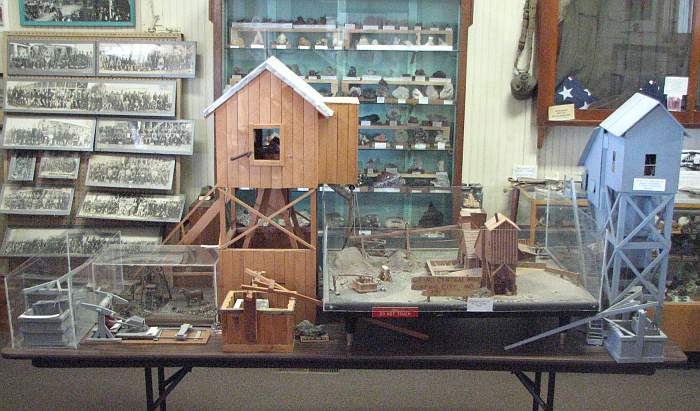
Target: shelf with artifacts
point(407, 147)
point(331, 81)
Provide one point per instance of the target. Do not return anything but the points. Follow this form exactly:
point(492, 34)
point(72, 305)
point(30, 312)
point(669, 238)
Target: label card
point(365, 232)
point(423, 100)
point(649, 184)
point(394, 312)
point(403, 28)
point(527, 171)
point(370, 27)
point(401, 101)
point(393, 123)
point(480, 305)
point(388, 27)
point(399, 147)
point(393, 170)
point(440, 146)
point(350, 26)
point(321, 47)
point(420, 146)
point(562, 112)
point(676, 86)
point(435, 29)
point(380, 146)
point(437, 123)
point(370, 171)
point(365, 123)
point(380, 100)
point(338, 47)
point(304, 47)
point(448, 102)
point(257, 46)
point(280, 46)
point(329, 78)
point(420, 78)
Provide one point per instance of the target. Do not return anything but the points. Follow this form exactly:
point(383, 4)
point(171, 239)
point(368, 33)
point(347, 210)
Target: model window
point(614, 155)
point(650, 165)
point(267, 143)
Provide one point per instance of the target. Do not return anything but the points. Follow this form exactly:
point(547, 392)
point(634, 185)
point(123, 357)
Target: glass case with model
point(404, 59)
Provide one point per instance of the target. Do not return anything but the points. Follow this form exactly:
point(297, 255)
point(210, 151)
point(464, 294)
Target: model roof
point(281, 71)
point(497, 220)
point(632, 112)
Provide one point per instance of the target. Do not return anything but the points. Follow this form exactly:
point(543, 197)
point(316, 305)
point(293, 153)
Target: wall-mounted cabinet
point(597, 53)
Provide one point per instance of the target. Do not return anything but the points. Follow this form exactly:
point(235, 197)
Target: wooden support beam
point(201, 224)
point(181, 225)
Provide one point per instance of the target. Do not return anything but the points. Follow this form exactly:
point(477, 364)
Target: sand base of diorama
point(537, 288)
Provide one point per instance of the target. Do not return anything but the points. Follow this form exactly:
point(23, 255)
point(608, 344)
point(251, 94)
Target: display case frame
point(548, 34)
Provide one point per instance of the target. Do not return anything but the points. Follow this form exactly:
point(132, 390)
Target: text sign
point(480, 305)
point(394, 312)
point(454, 286)
point(649, 184)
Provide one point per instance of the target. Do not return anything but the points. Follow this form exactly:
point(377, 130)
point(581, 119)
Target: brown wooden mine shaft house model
point(497, 251)
point(275, 134)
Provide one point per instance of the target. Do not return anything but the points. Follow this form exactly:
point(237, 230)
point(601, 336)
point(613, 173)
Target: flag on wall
point(572, 91)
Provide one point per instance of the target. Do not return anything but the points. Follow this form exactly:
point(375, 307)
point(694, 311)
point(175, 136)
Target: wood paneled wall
point(267, 100)
point(338, 146)
point(294, 269)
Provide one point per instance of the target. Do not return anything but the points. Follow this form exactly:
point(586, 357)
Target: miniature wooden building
point(275, 133)
point(497, 251)
point(467, 246)
point(632, 169)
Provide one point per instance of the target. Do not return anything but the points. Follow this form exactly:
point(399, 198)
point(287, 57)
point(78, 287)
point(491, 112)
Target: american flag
point(572, 91)
point(652, 89)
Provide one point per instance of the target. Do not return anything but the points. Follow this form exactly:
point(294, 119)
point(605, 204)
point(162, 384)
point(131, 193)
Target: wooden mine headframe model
point(497, 251)
point(632, 165)
point(275, 134)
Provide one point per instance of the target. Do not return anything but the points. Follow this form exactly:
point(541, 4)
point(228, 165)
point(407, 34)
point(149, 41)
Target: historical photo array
point(175, 137)
point(121, 171)
point(155, 208)
point(48, 133)
point(155, 98)
point(59, 166)
point(86, 13)
point(56, 201)
point(175, 59)
point(45, 57)
point(79, 242)
point(21, 168)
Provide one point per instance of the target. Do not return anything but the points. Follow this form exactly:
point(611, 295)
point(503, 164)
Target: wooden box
point(681, 323)
point(253, 325)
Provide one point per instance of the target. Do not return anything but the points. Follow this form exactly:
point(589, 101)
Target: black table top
point(454, 344)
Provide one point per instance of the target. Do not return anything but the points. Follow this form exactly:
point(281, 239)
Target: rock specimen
point(401, 93)
point(432, 93)
point(447, 92)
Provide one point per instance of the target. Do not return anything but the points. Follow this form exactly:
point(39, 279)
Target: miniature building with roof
point(497, 251)
point(276, 135)
point(632, 163)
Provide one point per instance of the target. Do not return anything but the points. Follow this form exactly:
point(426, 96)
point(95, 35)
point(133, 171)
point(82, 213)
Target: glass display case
point(404, 60)
point(381, 256)
point(44, 303)
point(164, 284)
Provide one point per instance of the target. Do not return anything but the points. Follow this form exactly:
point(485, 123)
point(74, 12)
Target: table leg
point(551, 381)
point(149, 388)
point(538, 390)
point(350, 325)
point(161, 388)
point(165, 386)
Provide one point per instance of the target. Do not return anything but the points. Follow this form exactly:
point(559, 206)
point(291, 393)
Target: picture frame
point(172, 137)
point(50, 57)
point(59, 166)
point(50, 201)
point(78, 13)
point(132, 207)
point(126, 171)
point(21, 168)
point(40, 133)
point(95, 97)
point(160, 59)
point(78, 241)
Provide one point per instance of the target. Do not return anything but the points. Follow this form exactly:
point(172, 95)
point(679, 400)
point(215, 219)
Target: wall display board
point(78, 13)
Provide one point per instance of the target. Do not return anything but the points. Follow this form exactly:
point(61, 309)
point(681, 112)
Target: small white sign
point(350, 26)
point(365, 123)
point(257, 46)
point(370, 171)
point(304, 47)
point(448, 102)
point(437, 123)
point(435, 29)
point(280, 46)
point(364, 232)
point(403, 28)
point(329, 78)
point(392, 170)
point(380, 146)
point(370, 27)
point(441, 173)
point(393, 123)
point(420, 146)
point(321, 47)
point(420, 78)
point(676, 86)
point(440, 146)
point(401, 101)
point(649, 184)
point(480, 305)
point(524, 171)
point(338, 47)
point(371, 78)
point(399, 146)
point(388, 27)
point(352, 78)
point(416, 173)
point(423, 100)
point(234, 47)
point(380, 100)
point(417, 28)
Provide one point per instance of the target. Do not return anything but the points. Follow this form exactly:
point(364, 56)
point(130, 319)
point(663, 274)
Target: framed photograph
point(171, 59)
point(3, 11)
point(59, 166)
point(48, 133)
point(149, 98)
point(50, 58)
point(80, 242)
point(21, 168)
point(122, 171)
point(174, 137)
point(55, 201)
point(133, 207)
point(78, 13)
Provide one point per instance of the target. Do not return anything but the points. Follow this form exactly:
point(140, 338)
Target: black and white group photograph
point(155, 59)
point(21, 168)
point(44, 57)
point(690, 160)
point(174, 137)
point(155, 208)
point(56, 201)
point(84, 13)
point(120, 171)
point(48, 133)
point(59, 166)
point(77, 242)
point(110, 97)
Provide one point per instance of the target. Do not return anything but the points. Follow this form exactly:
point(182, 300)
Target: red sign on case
point(394, 312)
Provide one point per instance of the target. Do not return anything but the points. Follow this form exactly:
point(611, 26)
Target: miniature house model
point(497, 251)
point(632, 170)
point(275, 134)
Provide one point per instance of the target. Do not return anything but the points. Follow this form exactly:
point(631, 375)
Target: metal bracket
point(165, 386)
point(535, 387)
